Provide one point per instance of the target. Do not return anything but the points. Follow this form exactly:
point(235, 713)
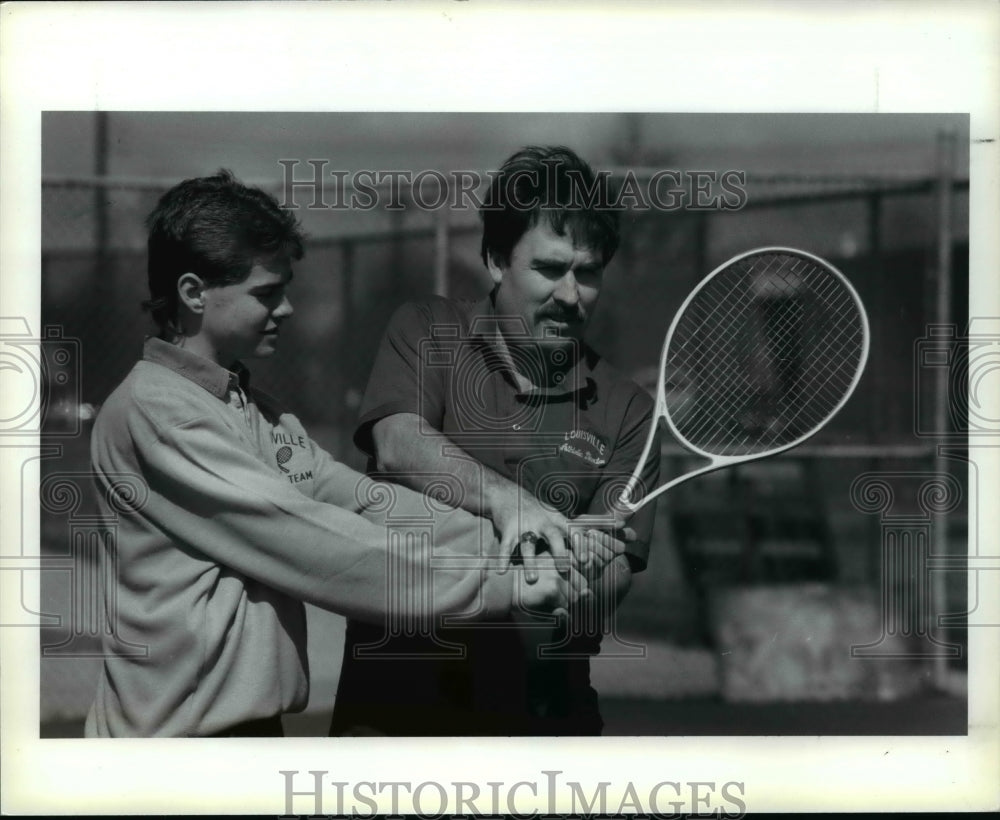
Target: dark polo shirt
point(573, 444)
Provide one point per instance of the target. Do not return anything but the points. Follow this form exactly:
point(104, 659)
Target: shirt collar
point(489, 328)
point(207, 374)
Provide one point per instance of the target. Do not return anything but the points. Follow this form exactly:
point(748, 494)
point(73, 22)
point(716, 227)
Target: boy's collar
point(207, 374)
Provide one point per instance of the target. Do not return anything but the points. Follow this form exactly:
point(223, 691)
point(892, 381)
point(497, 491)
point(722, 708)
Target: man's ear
point(191, 292)
point(495, 267)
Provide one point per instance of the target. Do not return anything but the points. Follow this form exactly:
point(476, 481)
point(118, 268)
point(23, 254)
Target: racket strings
point(762, 355)
point(740, 399)
point(807, 418)
point(746, 391)
point(735, 311)
point(735, 307)
point(824, 353)
point(691, 359)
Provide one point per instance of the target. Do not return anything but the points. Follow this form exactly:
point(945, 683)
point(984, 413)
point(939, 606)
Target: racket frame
point(660, 409)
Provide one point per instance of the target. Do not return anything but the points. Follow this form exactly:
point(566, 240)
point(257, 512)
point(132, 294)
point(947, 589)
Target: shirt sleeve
point(221, 501)
point(408, 375)
point(628, 449)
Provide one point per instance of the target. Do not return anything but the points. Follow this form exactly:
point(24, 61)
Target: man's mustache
point(559, 315)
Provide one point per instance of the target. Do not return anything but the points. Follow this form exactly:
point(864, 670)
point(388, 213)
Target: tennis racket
point(761, 355)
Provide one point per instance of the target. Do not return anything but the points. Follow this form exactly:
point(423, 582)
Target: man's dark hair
point(553, 181)
point(216, 228)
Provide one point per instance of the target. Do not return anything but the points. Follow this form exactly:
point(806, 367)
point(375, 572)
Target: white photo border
point(738, 57)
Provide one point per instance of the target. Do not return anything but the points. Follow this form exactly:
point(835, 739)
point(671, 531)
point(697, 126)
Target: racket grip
point(517, 559)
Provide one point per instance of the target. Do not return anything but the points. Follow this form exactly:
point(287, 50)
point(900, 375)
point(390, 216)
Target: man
point(235, 516)
point(503, 399)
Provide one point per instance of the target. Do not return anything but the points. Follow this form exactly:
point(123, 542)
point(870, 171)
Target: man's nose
point(567, 290)
point(284, 310)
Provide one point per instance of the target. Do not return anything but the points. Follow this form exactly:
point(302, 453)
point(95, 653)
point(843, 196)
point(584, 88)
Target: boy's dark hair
point(216, 228)
point(552, 180)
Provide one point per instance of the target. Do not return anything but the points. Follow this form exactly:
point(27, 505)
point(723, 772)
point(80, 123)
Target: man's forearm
point(418, 458)
point(610, 589)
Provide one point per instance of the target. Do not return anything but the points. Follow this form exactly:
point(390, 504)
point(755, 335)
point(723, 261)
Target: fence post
point(441, 247)
point(347, 342)
point(876, 310)
point(939, 545)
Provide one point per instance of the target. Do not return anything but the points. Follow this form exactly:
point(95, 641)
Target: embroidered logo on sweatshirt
point(284, 454)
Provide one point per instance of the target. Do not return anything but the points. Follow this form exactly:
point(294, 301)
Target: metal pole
point(875, 397)
point(347, 343)
point(701, 243)
point(946, 172)
point(441, 243)
point(103, 295)
point(100, 195)
point(103, 289)
point(397, 251)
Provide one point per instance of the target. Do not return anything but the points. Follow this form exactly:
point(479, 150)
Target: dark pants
point(262, 727)
point(490, 690)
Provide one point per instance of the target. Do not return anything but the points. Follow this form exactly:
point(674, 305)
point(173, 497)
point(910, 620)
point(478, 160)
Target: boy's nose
point(284, 310)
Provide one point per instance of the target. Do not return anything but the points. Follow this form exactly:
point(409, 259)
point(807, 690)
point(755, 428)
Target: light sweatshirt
point(238, 518)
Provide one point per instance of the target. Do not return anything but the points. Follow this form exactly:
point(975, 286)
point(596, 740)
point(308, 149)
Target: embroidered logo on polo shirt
point(586, 446)
point(284, 454)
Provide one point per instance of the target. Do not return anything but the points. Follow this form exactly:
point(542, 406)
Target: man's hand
point(596, 540)
point(554, 590)
point(524, 521)
point(608, 591)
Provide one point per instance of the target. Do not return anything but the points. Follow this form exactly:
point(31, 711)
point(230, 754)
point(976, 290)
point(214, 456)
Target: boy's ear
point(191, 292)
point(495, 267)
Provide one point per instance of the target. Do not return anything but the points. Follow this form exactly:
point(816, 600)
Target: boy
point(244, 516)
